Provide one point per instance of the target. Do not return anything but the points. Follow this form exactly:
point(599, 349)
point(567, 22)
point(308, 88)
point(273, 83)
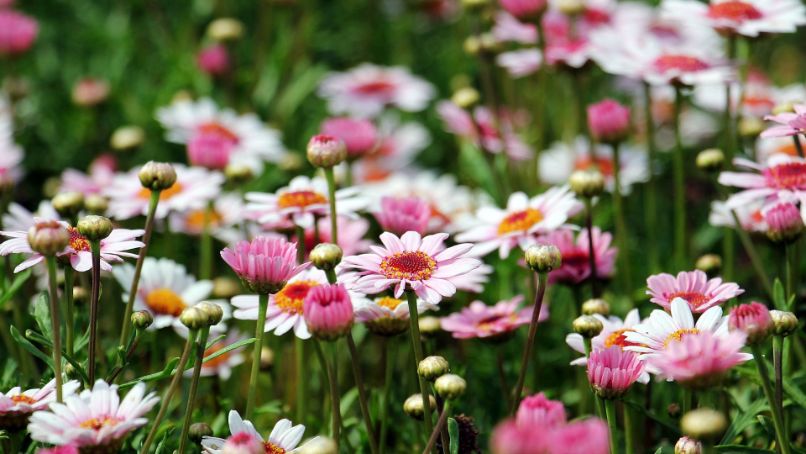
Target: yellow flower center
point(409, 265)
point(23, 399)
point(272, 448)
point(77, 241)
point(291, 297)
point(165, 194)
point(678, 335)
point(617, 337)
point(520, 221)
point(389, 302)
point(195, 219)
point(98, 423)
point(694, 299)
point(300, 199)
point(165, 301)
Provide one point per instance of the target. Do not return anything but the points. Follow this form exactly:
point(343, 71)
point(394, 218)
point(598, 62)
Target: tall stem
point(300, 233)
point(169, 393)
point(777, 420)
point(777, 361)
point(302, 380)
point(138, 268)
point(201, 343)
point(612, 424)
point(791, 266)
point(55, 325)
point(798, 146)
point(333, 380)
point(629, 430)
point(591, 249)
point(679, 171)
point(362, 394)
point(95, 246)
point(263, 303)
point(206, 252)
point(542, 279)
point(69, 321)
point(750, 249)
point(418, 356)
point(387, 388)
point(650, 200)
point(621, 226)
point(331, 190)
point(432, 439)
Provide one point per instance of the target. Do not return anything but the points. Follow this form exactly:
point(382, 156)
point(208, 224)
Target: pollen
point(218, 129)
point(272, 448)
point(77, 241)
point(604, 165)
point(734, 10)
point(678, 335)
point(99, 423)
point(520, 221)
point(23, 399)
point(618, 338)
point(165, 301)
point(389, 302)
point(694, 299)
point(291, 297)
point(683, 63)
point(411, 266)
point(300, 199)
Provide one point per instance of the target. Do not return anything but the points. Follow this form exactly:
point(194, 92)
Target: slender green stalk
point(791, 266)
point(362, 394)
point(333, 379)
point(777, 361)
point(263, 303)
point(775, 410)
point(612, 424)
point(798, 146)
point(169, 393)
point(69, 321)
point(502, 377)
point(686, 398)
point(138, 267)
point(629, 430)
point(542, 279)
point(679, 172)
point(755, 260)
point(55, 325)
point(206, 252)
point(201, 343)
point(387, 388)
point(300, 231)
point(621, 226)
point(650, 217)
point(418, 356)
point(302, 380)
point(443, 418)
point(95, 246)
point(591, 249)
point(331, 198)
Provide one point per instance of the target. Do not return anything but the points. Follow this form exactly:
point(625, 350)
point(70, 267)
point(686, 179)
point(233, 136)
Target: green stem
point(777, 361)
point(629, 430)
point(138, 268)
point(591, 249)
point(362, 394)
point(333, 380)
point(206, 252)
point(169, 393)
point(432, 439)
point(791, 266)
point(387, 388)
point(201, 343)
point(621, 226)
point(650, 217)
point(331, 191)
point(686, 398)
point(302, 380)
point(263, 303)
point(94, 295)
point(542, 279)
point(777, 420)
point(55, 326)
point(300, 244)
point(418, 356)
point(755, 260)
point(612, 424)
point(679, 171)
point(798, 146)
point(69, 321)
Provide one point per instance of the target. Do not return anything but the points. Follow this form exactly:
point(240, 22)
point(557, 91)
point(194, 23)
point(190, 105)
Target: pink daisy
point(481, 321)
point(398, 145)
point(411, 262)
point(214, 60)
point(480, 128)
point(264, 264)
point(575, 266)
point(17, 32)
point(17, 405)
point(750, 215)
point(693, 287)
point(101, 173)
point(781, 176)
point(401, 214)
point(359, 135)
point(612, 371)
point(386, 315)
point(740, 17)
point(351, 235)
point(700, 359)
point(284, 437)
point(790, 123)
point(752, 319)
point(537, 410)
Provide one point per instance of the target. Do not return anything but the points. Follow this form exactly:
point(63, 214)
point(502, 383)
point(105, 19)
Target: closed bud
point(68, 204)
point(489, 43)
point(142, 319)
point(326, 256)
point(127, 138)
point(238, 173)
point(711, 264)
point(587, 325)
point(784, 222)
point(596, 306)
point(413, 406)
point(465, 97)
point(226, 287)
point(783, 323)
point(472, 45)
point(704, 424)
point(225, 29)
point(450, 386)
point(80, 295)
point(213, 312)
point(587, 183)
point(326, 151)
point(711, 160)
point(198, 431)
point(570, 7)
point(431, 367)
point(319, 445)
point(787, 107)
point(193, 318)
point(266, 358)
point(94, 227)
point(751, 127)
point(96, 204)
point(686, 445)
point(48, 238)
point(543, 258)
point(430, 326)
point(157, 176)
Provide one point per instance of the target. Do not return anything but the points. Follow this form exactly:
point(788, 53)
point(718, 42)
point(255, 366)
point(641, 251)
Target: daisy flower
point(693, 287)
point(218, 137)
point(740, 17)
point(18, 32)
point(222, 365)
point(538, 410)
point(398, 145)
point(611, 371)
point(100, 176)
point(284, 437)
point(96, 418)
point(575, 266)
point(789, 123)
point(225, 218)
point(385, 315)
point(523, 218)
point(366, 90)
point(520, 63)
point(480, 321)
point(480, 128)
point(751, 217)
point(411, 262)
point(507, 28)
point(772, 146)
point(781, 176)
point(18, 218)
point(351, 235)
point(194, 187)
point(302, 201)
point(17, 405)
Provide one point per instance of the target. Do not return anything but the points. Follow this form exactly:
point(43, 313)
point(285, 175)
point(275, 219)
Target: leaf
point(19, 279)
point(28, 346)
point(212, 342)
point(41, 313)
point(740, 448)
point(348, 399)
point(229, 348)
point(453, 433)
point(472, 163)
point(744, 419)
point(779, 295)
point(165, 372)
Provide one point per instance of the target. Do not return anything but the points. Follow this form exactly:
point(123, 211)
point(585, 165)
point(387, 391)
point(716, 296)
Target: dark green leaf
point(19, 279)
point(31, 348)
point(453, 433)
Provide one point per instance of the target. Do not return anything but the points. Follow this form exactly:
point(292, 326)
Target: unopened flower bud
point(142, 319)
point(587, 325)
point(213, 312)
point(609, 121)
point(489, 43)
point(413, 406)
point(570, 7)
point(474, 4)
point(319, 445)
point(596, 306)
point(465, 97)
point(431, 367)
point(94, 227)
point(704, 424)
point(157, 176)
point(225, 29)
point(587, 183)
point(711, 160)
point(96, 204)
point(751, 127)
point(543, 258)
point(326, 256)
point(238, 173)
point(266, 358)
point(198, 431)
point(686, 445)
point(291, 162)
point(193, 318)
point(430, 326)
point(226, 287)
point(783, 323)
point(80, 295)
point(784, 222)
point(472, 45)
point(326, 151)
point(127, 138)
point(328, 311)
point(68, 204)
point(450, 386)
point(48, 238)
point(787, 107)
point(89, 92)
point(709, 263)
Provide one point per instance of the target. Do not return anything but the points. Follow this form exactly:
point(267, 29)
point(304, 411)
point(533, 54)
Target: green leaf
point(167, 371)
point(740, 448)
point(19, 279)
point(348, 399)
point(41, 313)
point(743, 420)
point(29, 347)
point(453, 433)
point(473, 164)
point(212, 342)
point(779, 295)
point(229, 348)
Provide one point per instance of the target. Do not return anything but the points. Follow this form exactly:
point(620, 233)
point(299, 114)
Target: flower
point(693, 287)
point(483, 129)
point(750, 215)
point(328, 311)
point(223, 364)
point(588, 436)
point(524, 8)
point(351, 234)
point(789, 123)
point(214, 60)
point(17, 405)
point(217, 137)
point(398, 144)
point(225, 219)
point(411, 262)
point(752, 319)
point(508, 28)
point(481, 321)
point(523, 218)
point(740, 17)
point(101, 174)
point(520, 63)
point(537, 410)
point(17, 32)
point(301, 202)
point(575, 266)
point(510, 437)
point(367, 89)
point(700, 359)
point(401, 214)
point(784, 221)
point(264, 264)
point(193, 188)
point(385, 315)
point(782, 176)
point(283, 438)
point(608, 121)
point(612, 334)
point(66, 449)
point(360, 136)
point(243, 443)
point(90, 91)
point(611, 371)
point(94, 418)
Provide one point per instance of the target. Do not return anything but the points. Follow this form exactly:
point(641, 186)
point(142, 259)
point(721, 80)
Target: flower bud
point(472, 45)
point(48, 238)
point(213, 312)
point(570, 7)
point(266, 358)
point(198, 431)
point(142, 319)
point(596, 306)
point(430, 326)
point(450, 386)
point(89, 92)
point(193, 318)
point(489, 43)
point(80, 295)
point(465, 97)
point(290, 162)
point(783, 323)
point(326, 256)
point(587, 325)
point(431, 367)
point(413, 406)
point(127, 138)
point(328, 311)
point(68, 204)
point(238, 173)
point(226, 287)
point(784, 223)
point(326, 151)
point(704, 424)
point(96, 204)
point(94, 227)
point(319, 445)
point(529, 10)
point(686, 445)
point(711, 160)
point(609, 121)
point(709, 263)
point(753, 319)
point(587, 183)
point(751, 127)
point(543, 258)
point(157, 176)
point(225, 29)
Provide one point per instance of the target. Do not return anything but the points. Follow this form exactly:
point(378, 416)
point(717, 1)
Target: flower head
point(386, 316)
point(784, 222)
point(700, 359)
point(740, 17)
point(264, 264)
point(16, 405)
point(612, 371)
point(524, 8)
point(284, 437)
point(694, 287)
point(101, 173)
point(789, 123)
point(214, 60)
point(359, 135)
point(481, 127)
point(575, 266)
point(17, 32)
point(781, 176)
point(537, 410)
point(479, 320)
point(401, 214)
point(752, 319)
point(328, 311)
point(609, 121)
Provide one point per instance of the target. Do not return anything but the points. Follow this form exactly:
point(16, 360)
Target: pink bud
point(360, 136)
point(524, 8)
point(784, 223)
point(328, 311)
point(609, 121)
point(402, 214)
point(17, 32)
point(538, 410)
point(214, 60)
point(90, 92)
point(753, 319)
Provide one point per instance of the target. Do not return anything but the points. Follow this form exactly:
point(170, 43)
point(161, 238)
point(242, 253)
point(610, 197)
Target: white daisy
point(225, 219)
point(740, 17)
point(284, 437)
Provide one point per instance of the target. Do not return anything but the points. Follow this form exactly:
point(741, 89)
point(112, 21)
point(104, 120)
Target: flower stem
point(206, 252)
point(798, 146)
point(331, 198)
point(300, 231)
point(299, 359)
point(750, 249)
point(443, 417)
point(527, 351)
point(387, 388)
point(55, 325)
point(777, 420)
point(138, 268)
point(418, 356)
point(69, 322)
point(591, 249)
point(650, 200)
point(263, 303)
point(502, 377)
point(777, 361)
point(169, 393)
point(610, 410)
point(791, 268)
point(679, 171)
point(201, 343)
point(629, 430)
point(335, 411)
point(95, 246)
point(362, 394)
point(621, 226)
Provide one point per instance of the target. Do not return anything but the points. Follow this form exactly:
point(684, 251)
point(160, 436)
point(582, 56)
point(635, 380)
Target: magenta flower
point(66, 449)
point(328, 311)
point(581, 437)
point(537, 410)
point(780, 176)
point(214, 60)
point(694, 287)
point(401, 214)
point(612, 371)
point(752, 319)
point(700, 359)
point(264, 264)
point(524, 8)
point(789, 123)
point(360, 136)
point(410, 262)
point(490, 322)
point(100, 175)
point(783, 219)
point(509, 437)
point(575, 266)
point(17, 32)
point(243, 443)
point(589, 436)
point(609, 121)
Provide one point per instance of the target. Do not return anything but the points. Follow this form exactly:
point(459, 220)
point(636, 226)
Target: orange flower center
point(791, 175)
point(23, 399)
point(77, 241)
point(99, 423)
point(694, 299)
point(684, 63)
point(165, 301)
point(218, 360)
point(605, 165)
point(300, 199)
point(165, 194)
point(520, 221)
point(486, 324)
point(376, 87)
point(219, 130)
point(734, 10)
point(617, 337)
point(272, 448)
point(389, 302)
point(678, 335)
point(195, 219)
point(291, 297)
point(412, 266)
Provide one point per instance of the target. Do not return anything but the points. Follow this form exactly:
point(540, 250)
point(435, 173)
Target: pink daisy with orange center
point(693, 287)
point(481, 321)
point(781, 176)
point(740, 17)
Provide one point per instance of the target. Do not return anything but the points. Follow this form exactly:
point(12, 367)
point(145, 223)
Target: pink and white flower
point(752, 319)
point(359, 135)
point(589, 436)
point(740, 17)
point(351, 235)
point(224, 220)
point(611, 371)
point(265, 263)
point(781, 176)
point(398, 145)
point(17, 32)
point(575, 266)
point(750, 215)
point(16, 405)
point(693, 287)
point(480, 128)
point(284, 437)
point(214, 60)
point(328, 311)
point(386, 315)
point(537, 410)
point(480, 321)
point(401, 214)
point(100, 176)
point(789, 123)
